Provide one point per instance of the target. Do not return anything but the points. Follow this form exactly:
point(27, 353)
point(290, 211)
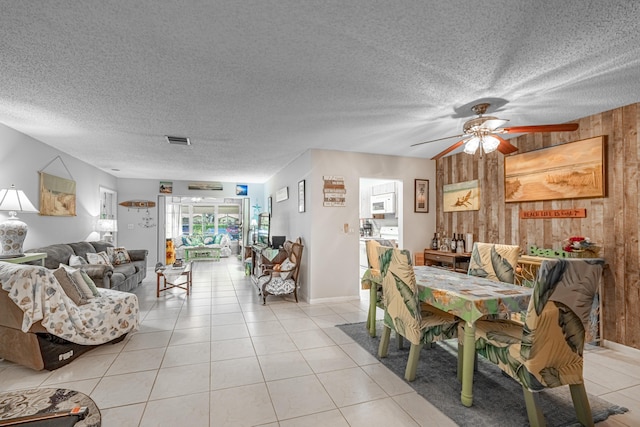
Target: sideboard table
point(28, 257)
point(451, 258)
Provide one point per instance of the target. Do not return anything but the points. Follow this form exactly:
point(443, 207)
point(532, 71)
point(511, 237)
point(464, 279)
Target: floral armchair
point(419, 324)
point(548, 350)
point(282, 279)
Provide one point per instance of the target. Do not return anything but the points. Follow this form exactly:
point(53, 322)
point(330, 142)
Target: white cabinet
point(387, 187)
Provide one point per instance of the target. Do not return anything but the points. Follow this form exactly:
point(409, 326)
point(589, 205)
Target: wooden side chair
point(548, 350)
point(417, 323)
point(284, 280)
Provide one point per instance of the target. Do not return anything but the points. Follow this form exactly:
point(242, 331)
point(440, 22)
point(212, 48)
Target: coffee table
point(47, 403)
point(174, 277)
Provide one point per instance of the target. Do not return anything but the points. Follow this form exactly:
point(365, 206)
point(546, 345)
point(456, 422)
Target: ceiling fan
point(483, 132)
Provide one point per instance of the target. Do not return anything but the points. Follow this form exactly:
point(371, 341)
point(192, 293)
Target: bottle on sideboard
point(454, 243)
point(434, 242)
point(460, 246)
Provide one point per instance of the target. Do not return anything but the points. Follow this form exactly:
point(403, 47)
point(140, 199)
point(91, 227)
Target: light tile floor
point(221, 358)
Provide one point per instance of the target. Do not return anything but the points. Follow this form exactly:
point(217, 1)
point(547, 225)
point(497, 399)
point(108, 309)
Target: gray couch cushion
point(81, 248)
point(125, 269)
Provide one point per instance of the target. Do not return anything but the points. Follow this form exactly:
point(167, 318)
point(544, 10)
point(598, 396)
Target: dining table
point(469, 298)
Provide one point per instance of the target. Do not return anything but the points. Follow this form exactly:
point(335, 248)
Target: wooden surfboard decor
point(138, 204)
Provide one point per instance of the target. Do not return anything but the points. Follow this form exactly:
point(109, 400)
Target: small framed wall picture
point(269, 204)
point(242, 189)
point(421, 196)
point(301, 196)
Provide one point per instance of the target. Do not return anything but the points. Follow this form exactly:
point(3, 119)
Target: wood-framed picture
point(461, 196)
point(574, 170)
point(421, 196)
point(301, 196)
point(57, 196)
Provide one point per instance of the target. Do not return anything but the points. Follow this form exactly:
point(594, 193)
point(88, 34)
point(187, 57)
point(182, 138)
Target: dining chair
point(548, 350)
point(417, 323)
point(494, 261)
point(372, 280)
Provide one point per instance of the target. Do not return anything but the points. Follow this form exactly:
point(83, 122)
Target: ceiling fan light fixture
point(490, 143)
point(471, 145)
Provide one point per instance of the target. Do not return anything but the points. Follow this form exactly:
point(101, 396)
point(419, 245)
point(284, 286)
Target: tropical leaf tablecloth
point(469, 297)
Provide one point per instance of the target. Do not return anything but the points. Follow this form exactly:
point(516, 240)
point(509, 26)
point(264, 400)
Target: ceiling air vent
point(178, 140)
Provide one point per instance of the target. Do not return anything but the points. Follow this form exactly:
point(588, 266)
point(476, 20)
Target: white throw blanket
point(38, 294)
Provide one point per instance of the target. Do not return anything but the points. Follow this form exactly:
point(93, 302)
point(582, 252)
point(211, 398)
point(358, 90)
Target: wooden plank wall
point(612, 221)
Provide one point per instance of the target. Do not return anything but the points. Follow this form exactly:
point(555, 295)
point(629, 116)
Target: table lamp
point(13, 231)
point(107, 226)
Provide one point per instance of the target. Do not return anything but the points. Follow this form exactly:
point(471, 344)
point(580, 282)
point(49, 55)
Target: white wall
point(331, 261)
point(21, 157)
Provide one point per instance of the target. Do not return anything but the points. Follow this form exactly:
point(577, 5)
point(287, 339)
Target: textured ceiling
point(256, 83)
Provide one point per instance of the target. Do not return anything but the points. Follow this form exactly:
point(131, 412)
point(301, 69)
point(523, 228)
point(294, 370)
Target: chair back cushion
point(399, 291)
point(495, 262)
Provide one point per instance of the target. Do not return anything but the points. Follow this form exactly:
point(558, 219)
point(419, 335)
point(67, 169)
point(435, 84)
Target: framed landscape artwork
point(461, 196)
point(569, 171)
point(57, 196)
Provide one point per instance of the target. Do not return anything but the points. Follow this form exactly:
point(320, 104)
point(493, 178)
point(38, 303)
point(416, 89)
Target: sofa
point(122, 277)
point(202, 241)
point(42, 327)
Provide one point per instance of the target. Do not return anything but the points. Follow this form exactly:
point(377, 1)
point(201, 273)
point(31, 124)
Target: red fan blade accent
point(448, 150)
point(439, 139)
point(565, 127)
point(505, 146)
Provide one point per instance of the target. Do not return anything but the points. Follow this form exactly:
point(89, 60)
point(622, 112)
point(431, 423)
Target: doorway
point(381, 215)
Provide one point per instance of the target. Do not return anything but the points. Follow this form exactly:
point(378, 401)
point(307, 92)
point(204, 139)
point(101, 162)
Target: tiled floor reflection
point(221, 358)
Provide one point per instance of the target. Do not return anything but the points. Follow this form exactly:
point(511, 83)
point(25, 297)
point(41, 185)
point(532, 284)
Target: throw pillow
point(68, 286)
point(207, 240)
point(76, 261)
point(78, 281)
point(287, 264)
point(118, 256)
point(90, 283)
point(98, 258)
point(218, 239)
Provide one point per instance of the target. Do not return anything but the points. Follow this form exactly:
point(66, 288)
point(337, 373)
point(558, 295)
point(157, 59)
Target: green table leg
point(466, 396)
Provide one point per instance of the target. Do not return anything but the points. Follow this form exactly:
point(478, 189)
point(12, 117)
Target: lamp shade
point(107, 225)
point(13, 231)
point(14, 200)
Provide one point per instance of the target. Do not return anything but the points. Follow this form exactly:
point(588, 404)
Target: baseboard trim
point(621, 348)
point(333, 300)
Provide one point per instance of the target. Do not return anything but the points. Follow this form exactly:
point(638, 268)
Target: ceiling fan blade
point(493, 124)
point(565, 127)
point(448, 150)
point(505, 146)
point(439, 139)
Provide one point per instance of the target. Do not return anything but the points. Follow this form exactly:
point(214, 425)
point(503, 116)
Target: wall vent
point(178, 140)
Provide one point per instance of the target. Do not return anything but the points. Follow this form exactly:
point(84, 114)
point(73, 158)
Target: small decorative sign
point(554, 213)
point(333, 191)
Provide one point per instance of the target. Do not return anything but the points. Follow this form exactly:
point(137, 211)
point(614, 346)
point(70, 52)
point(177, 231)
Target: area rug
point(497, 399)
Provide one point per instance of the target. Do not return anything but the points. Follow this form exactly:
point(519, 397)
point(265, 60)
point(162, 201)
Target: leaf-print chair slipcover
point(495, 262)
point(547, 350)
point(372, 280)
point(403, 312)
